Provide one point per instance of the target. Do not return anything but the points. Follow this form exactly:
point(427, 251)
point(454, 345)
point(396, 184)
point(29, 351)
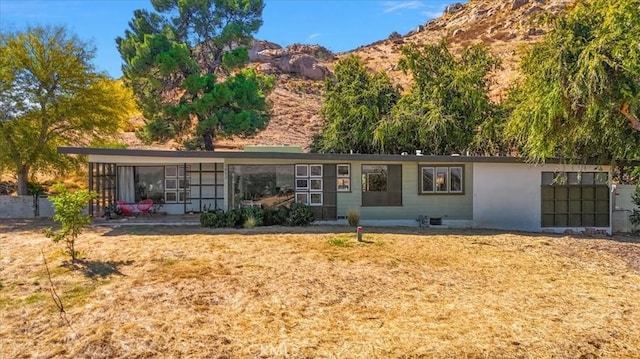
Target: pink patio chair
point(126, 208)
point(145, 205)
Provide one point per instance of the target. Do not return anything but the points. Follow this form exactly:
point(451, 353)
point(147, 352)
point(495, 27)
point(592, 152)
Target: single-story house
point(460, 191)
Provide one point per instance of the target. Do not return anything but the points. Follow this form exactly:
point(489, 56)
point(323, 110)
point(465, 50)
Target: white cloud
point(391, 6)
point(432, 14)
point(313, 36)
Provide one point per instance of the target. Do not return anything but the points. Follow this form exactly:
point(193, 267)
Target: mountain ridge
point(505, 26)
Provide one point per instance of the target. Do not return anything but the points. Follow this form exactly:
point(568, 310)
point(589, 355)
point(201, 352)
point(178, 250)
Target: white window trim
point(461, 180)
point(311, 180)
point(433, 179)
point(168, 188)
point(306, 167)
point(343, 189)
point(315, 194)
point(166, 197)
point(168, 175)
point(306, 194)
point(305, 188)
point(315, 166)
point(347, 177)
point(435, 169)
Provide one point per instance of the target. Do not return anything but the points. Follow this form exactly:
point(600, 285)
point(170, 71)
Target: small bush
point(69, 212)
point(233, 218)
point(300, 215)
point(256, 213)
point(276, 216)
point(353, 217)
point(250, 222)
point(210, 219)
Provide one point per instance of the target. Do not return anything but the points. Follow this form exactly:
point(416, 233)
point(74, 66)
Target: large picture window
point(149, 183)
point(441, 179)
point(264, 185)
point(381, 185)
point(575, 199)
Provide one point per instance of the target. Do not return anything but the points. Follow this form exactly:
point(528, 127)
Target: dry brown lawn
point(193, 293)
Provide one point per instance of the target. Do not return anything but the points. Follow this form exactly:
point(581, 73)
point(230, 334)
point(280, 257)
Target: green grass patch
point(77, 293)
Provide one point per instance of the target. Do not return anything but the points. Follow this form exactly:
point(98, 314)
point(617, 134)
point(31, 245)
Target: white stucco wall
point(508, 196)
point(622, 208)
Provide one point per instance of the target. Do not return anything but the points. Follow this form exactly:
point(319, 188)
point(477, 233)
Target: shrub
point(69, 212)
point(209, 219)
point(233, 218)
point(299, 215)
point(353, 217)
point(250, 222)
point(275, 216)
point(256, 212)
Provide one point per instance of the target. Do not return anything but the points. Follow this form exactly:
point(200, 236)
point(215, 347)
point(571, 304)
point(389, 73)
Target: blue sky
point(339, 25)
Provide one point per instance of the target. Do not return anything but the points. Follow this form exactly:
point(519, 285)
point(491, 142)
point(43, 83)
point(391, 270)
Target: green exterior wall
point(446, 206)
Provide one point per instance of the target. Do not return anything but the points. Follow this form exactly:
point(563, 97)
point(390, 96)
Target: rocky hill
point(506, 26)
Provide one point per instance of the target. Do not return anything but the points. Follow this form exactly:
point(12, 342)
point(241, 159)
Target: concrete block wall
point(22, 207)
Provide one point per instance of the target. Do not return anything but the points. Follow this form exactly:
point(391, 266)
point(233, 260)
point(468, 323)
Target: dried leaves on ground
point(317, 292)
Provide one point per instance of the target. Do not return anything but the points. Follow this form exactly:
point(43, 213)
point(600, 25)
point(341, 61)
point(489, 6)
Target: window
point(263, 185)
point(343, 173)
point(315, 199)
point(575, 199)
point(441, 179)
point(302, 184)
point(149, 183)
point(176, 182)
point(309, 184)
point(302, 171)
point(315, 170)
point(382, 185)
point(374, 178)
point(316, 184)
point(302, 197)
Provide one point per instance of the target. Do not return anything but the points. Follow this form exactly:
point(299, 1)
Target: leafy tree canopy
point(579, 94)
point(50, 96)
point(181, 62)
point(355, 103)
point(447, 109)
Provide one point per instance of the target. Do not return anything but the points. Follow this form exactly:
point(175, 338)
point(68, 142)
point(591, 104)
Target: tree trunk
point(23, 178)
point(633, 119)
point(207, 137)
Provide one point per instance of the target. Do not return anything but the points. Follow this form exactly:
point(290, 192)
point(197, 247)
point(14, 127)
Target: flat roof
point(300, 156)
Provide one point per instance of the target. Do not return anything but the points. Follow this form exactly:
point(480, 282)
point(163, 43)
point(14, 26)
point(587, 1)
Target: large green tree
point(447, 108)
point(50, 96)
point(355, 102)
point(182, 62)
point(579, 93)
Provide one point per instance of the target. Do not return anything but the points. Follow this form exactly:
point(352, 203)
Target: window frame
point(435, 168)
point(306, 194)
point(310, 199)
point(392, 195)
point(316, 180)
point(346, 178)
point(306, 170)
point(315, 166)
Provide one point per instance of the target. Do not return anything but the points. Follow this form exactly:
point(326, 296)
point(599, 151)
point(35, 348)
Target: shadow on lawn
point(97, 269)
